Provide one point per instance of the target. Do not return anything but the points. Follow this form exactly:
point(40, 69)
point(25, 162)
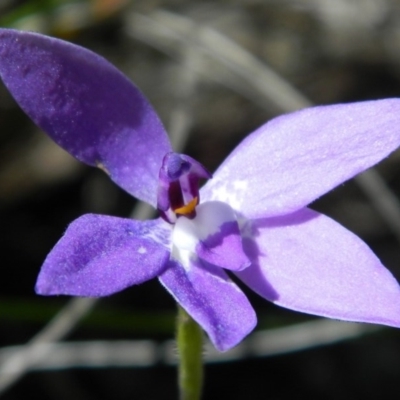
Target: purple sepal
point(309, 263)
point(87, 106)
point(293, 159)
point(213, 301)
point(100, 255)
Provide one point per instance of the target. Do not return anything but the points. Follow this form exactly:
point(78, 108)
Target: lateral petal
point(294, 159)
point(309, 263)
point(87, 106)
point(100, 255)
point(213, 301)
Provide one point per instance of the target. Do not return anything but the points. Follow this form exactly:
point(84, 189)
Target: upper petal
point(307, 262)
point(292, 160)
point(100, 255)
point(213, 301)
point(87, 106)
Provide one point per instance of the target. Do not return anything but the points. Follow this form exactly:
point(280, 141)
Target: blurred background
point(214, 72)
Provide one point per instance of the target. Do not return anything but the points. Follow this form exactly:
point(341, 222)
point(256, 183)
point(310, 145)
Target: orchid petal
point(292, 160)
point(87, 106)
point(307, 262)
point(213, 301)
point(213, 235)
point(100, 255)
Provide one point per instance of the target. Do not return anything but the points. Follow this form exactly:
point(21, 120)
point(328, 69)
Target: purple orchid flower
point(250, 218)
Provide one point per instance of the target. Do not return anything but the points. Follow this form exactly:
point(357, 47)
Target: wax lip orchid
point(251, 218)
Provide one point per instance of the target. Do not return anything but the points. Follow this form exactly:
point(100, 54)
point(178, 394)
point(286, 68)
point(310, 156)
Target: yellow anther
point(188, 208)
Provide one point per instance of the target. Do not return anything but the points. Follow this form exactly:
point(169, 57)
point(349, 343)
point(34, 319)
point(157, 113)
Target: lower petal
point(100, 255)
point(213, 301)
point(307, 262)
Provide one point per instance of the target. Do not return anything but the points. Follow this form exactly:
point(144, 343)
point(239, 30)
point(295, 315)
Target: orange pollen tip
point(188, 208)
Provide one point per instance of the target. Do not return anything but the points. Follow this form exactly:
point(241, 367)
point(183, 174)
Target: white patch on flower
point(142, 250)
point(240, 185)
point(233, 193)
point(187, 233)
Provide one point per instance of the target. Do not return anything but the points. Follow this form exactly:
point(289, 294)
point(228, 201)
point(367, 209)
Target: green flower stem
point(189, 341)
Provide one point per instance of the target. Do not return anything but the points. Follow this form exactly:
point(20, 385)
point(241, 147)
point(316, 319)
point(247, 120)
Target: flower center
point(188, 208)
point(202, 234)
point(178, 187)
